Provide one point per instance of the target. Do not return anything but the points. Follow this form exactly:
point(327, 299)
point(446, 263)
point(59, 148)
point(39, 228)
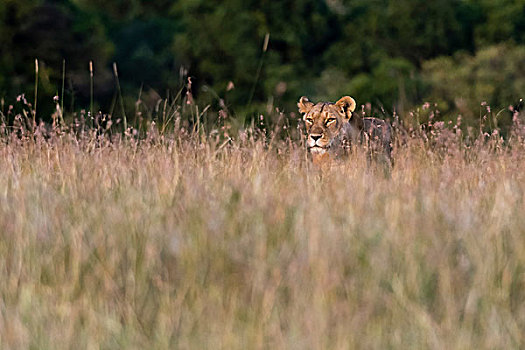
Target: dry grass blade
point(185, 242)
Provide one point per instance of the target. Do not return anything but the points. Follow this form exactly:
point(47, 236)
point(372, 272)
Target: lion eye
point(330, 120)
point(309, 120)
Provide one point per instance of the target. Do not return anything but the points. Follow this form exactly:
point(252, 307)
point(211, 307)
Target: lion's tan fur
point(333, 127)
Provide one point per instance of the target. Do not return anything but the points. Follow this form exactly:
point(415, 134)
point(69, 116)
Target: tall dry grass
point(187, 241)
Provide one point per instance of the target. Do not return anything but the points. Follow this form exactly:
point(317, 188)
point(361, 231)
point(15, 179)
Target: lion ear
point(347, 104)
point(304, 105)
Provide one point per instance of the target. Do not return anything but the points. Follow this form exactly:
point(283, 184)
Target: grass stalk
point(124, 118)
point(91, 88)
point(259, 67)
point(62, 92)
point(36, 95)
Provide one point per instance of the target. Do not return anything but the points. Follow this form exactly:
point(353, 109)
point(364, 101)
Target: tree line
point(253, 55)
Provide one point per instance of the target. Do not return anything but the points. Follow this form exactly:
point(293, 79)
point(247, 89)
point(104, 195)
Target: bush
point(495, 75)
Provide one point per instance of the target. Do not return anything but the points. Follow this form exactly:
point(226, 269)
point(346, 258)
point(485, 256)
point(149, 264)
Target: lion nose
point(315, 137)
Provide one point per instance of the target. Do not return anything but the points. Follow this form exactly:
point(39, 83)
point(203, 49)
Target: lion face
point(324, 122)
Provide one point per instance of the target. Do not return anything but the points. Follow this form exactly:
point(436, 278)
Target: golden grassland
point(188, 242)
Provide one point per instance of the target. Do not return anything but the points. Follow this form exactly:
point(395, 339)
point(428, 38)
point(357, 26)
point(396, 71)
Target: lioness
point(333, 127)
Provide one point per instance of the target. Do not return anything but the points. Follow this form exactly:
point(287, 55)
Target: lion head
point(326, 122)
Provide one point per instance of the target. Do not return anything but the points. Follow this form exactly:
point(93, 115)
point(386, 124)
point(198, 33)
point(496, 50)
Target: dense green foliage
point(394, 54)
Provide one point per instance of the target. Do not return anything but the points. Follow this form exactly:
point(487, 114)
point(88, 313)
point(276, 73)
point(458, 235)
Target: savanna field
point(168, 238)
point(156, 191)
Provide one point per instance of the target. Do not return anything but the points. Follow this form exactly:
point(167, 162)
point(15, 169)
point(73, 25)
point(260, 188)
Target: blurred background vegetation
point(396, 55)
